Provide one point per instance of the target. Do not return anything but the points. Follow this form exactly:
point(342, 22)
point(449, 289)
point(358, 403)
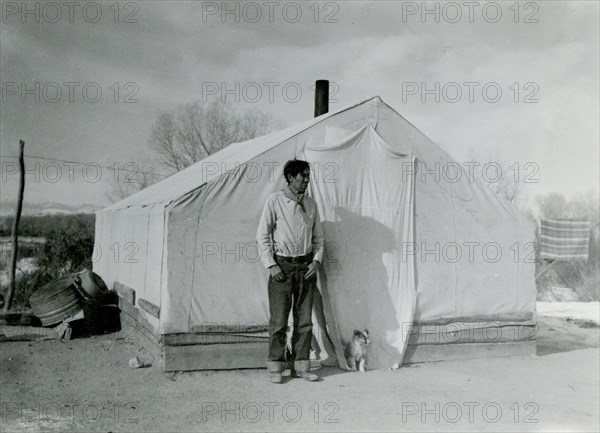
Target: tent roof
point(196, 175)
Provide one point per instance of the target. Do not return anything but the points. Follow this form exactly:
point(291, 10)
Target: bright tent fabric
point(367, 213)
point(193, 251)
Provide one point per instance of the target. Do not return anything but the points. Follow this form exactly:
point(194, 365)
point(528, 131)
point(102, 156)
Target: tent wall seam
point(147, 253)
point(162, 261)
point(451, 190)
point(189, 314)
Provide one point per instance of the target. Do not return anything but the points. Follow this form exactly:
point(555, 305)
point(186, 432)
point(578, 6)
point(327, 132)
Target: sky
point(506, 82)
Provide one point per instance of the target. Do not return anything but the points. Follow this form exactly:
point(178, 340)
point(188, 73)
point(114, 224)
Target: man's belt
point(294, 260)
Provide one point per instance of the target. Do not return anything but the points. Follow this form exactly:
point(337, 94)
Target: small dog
point(356, 350)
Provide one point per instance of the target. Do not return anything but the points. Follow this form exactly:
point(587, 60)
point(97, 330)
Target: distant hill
point(49, 208)
point(54, 212)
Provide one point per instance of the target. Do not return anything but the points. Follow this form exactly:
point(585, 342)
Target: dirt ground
point(85, 384)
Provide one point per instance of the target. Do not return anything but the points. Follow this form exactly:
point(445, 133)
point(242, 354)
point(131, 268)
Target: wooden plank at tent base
point(490, 318)
point(449, 352)
point(149, 308)
point(134, 313)
point(461, 333)
point(213, 338)
point(133, 329)
point(215, 356)
point(225, 351)
point(125, 292)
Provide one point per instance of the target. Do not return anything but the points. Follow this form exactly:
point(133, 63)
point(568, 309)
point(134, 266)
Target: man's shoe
point(310, 377)
point(275, 377)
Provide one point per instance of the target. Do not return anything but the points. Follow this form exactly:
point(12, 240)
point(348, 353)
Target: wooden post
point(321, 97)
point(15, 229)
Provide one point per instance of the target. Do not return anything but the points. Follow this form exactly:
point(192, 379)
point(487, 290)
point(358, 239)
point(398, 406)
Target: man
point(290, 237)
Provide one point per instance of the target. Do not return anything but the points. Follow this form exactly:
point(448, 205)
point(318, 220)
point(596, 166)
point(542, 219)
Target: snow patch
point(589, 311)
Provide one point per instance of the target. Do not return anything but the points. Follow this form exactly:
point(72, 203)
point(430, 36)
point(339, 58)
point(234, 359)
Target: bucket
point(56, 301)
point(89, 284)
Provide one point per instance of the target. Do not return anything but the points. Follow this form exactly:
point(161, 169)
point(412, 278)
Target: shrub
point(36, 225)
point(68, 249)
point(27, 284)
point(582, 277)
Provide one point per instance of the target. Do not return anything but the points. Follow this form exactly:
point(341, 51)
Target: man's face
point(299, 183)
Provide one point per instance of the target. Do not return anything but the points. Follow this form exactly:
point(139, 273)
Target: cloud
point(374, 48)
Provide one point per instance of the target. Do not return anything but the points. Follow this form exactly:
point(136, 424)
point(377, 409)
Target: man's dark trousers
point(294, 293)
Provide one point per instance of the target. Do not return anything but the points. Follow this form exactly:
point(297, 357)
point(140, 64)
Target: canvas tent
point(411, 238)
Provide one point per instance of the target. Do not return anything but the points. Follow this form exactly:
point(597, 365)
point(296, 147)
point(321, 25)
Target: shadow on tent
point(356, 285)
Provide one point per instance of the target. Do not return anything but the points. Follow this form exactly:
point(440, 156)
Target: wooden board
point(134, 332)
point(507, 317)
point(26, 333)
point(125, 292)
point(18, 317)
point(456, 333)
point(139, 318)
point(449, 352)
point(212, 338)
point(215, 356)
point(223, 327)
point(149, 308)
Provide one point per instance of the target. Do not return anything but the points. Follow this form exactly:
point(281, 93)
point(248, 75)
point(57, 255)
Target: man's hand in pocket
point(312, 270)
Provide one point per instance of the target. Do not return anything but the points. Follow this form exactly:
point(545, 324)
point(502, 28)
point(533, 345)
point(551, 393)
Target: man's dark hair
point(294, 167)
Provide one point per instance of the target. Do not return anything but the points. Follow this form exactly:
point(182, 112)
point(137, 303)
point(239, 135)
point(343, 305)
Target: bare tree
point(553, 205)
point(187, 135)
point(133, 177)
point(163, 138)
point(194, 131)
point(499, 177)
point(583, 205)
point(506, 187)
